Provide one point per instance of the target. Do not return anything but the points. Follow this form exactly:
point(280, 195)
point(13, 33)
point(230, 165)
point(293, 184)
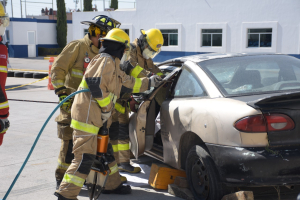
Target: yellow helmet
point(2, 11)
point(118, 35)
point(154, 38)
point(4, 19)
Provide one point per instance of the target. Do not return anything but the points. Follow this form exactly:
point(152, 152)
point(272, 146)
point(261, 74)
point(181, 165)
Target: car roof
point(209, 56)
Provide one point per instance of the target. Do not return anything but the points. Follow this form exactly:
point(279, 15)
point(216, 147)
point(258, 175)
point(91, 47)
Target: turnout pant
point(64, 132)
point(119, 136)
point(84, 149)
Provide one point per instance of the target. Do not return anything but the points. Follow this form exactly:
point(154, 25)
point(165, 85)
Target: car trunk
point(288, 104)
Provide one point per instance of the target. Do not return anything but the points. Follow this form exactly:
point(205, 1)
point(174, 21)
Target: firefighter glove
point(66, 106)
point(105, 116)
point(155, 81)
point(4, 125)
point(126, 67)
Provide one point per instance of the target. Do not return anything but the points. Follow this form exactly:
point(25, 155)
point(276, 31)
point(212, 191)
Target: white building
point(197, 26)
point(25, 36)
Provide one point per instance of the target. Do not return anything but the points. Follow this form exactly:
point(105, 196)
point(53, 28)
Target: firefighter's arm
point(133, 85)
point(155, 69)
point(62, 64)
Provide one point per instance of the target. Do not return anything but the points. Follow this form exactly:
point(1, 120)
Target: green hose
point(37, 138)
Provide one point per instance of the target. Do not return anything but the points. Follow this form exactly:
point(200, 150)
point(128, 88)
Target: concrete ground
point(37, 181)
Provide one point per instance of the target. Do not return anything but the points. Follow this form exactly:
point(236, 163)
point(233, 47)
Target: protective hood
point(112, 48)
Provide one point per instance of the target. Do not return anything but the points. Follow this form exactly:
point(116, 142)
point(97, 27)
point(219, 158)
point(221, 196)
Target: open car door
point(142, 123)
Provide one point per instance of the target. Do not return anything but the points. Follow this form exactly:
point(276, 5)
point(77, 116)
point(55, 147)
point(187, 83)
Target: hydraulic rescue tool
point(100, 171)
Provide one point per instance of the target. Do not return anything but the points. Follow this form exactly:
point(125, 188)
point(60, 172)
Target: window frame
point(170, 37)
point(260, 33)
point(216, 49)
point(172, 26)
point(259, 25)
point(211, 35)
point(185, 67)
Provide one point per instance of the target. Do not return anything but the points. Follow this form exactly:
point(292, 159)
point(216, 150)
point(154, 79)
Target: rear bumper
point(257, 166)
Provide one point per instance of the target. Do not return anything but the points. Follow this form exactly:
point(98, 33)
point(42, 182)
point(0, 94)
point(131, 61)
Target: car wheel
point(10, 74)
point(19, 74)
point(28, 75)
point(202, 175)
point(39, 75)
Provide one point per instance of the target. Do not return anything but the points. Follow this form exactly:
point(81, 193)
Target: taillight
point(265, 123)
point(279, 122)
point(253, 124)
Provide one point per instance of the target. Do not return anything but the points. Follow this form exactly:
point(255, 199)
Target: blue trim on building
point(18, 51)
point(295, 55)
point(36, 20)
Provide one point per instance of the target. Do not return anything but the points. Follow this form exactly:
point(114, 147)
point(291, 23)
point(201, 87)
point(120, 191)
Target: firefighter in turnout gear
point(4, 107)
point(140, 64)
point(91, 113)
point(66, 74)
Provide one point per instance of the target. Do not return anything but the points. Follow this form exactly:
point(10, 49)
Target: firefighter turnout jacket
point(68, 68)
point(4, 107)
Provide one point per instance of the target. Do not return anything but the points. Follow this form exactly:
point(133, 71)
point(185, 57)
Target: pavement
point(37, 181)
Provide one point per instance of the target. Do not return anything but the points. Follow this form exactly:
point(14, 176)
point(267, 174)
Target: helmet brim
point(93, 22)
point(103, 39)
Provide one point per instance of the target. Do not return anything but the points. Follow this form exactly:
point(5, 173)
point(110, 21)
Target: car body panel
point(202, 116)
point(242, 159)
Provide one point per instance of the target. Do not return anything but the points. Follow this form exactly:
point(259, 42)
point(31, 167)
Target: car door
point(180, 112)
point(142, 123)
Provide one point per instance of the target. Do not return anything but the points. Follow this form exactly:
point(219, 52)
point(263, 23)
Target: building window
point(170, 37)
point(85, 31)
point(7, 36)
point(212, 37)
point(260, 37)
point(126, 31)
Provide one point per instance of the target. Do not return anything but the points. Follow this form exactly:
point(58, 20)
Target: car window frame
point(186, 67)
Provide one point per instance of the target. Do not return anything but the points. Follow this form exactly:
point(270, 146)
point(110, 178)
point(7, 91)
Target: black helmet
point(103, 22)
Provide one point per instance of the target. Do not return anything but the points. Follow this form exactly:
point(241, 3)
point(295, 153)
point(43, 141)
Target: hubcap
point(200, 179)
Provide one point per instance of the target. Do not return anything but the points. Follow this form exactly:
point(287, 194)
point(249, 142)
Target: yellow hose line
point(28, 83)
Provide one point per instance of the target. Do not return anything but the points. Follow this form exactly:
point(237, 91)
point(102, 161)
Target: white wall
point(190, 15)
point(45, 32)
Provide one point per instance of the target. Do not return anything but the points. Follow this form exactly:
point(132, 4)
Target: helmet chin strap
point(99, 44)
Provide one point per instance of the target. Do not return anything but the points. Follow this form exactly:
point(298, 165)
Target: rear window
point(247, 75)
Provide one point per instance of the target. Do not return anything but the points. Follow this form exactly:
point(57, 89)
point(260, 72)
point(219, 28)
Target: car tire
point(10, 74)
point(202, 175)
point(28, 75)
point(19, 74)
point(39, 75)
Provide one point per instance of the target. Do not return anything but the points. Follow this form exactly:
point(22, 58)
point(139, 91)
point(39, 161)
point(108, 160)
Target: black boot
point(127, 167)
point(122, 189)
point(60, 197)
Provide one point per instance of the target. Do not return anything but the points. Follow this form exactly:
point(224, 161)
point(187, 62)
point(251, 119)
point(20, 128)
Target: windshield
point(246, 75)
